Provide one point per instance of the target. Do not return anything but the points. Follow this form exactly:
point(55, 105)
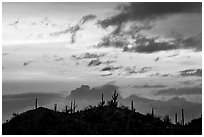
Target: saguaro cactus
point(102, 103)
point(176, 120)
point(152, 111)
point(132, 106)
point(114, 98)
point(55, 107)
point(36, 103)
point(74, 106)
point(182, 117)
point(66, 110)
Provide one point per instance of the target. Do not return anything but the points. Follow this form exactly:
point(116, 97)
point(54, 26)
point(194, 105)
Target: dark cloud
point(113, 41)
point(94, 62)
point(160, 75)
point(149, 11)
point(156, 59)
point(150, 45)
point(149, 86)
point(133, 70)
point(181, 91)
point(88, 56)
point(109, 61)
point(104, 75)
point(141, 44)
point(145, 69)
point(87, 18)
point(110, 68)
point(27, 63)
point(87, 93)
point(191, 72)
point(141, 15)
point(194, 42)
point(173, 55)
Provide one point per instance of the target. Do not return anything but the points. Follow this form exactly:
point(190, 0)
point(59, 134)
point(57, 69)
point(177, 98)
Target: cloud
point(149, 11)
point(133, 70)
point(149, 86)
point(150, 45)
point(94, 62)
point(113, 41)
point(75, 28)
point(139, 16)
point(27, 63)
point(141, 44)
point(191, 72)
point(110, 68)
point(180, 91)
point(156, 59)
point(87, 93)
point(88, 56)
point(87, 18)
point(159, 74)
point(144, 69)
point(194, 42)
point(130, 70)
point(58, 58)
point(173, 55)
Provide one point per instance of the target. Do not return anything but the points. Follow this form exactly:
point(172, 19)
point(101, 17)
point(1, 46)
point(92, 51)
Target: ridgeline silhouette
point(103, 119)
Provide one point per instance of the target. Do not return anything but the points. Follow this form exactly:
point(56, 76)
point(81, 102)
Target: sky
point(149, 52)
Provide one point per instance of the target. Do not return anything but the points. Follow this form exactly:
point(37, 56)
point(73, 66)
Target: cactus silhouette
point(102, 103)
point(132, 106)
point(182, 117)
point(176, 120)
point(152, 111)
point(114, 98)
point(66, 109)
point(55, 107)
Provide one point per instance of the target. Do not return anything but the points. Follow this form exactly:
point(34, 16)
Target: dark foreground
point(106, 120)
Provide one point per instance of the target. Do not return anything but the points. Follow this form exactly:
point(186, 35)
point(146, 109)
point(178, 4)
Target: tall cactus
point(182, 117)
point(66, 110)
point(114, 98)
point(176, 120)
point(55, 107)
point(132, 106)
point(36, 103)
point(74, 106)
point(152, 111)
point(102, 103)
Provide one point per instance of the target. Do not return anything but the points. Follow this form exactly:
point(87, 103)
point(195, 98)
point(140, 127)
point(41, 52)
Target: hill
point(95, 120)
